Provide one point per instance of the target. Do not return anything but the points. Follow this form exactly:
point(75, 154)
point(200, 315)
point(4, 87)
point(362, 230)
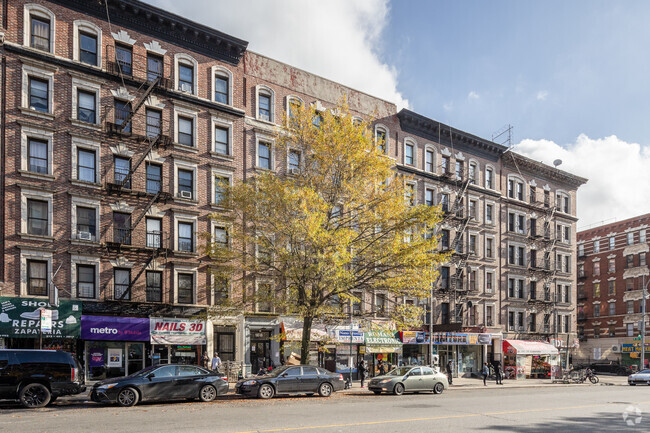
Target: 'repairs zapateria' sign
point(21, 318)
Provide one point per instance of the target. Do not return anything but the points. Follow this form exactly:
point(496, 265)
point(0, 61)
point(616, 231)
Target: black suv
point(38, 377)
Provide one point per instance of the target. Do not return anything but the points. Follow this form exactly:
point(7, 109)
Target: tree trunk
point(306, 338)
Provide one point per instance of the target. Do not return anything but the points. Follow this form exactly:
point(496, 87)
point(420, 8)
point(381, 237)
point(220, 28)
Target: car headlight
point(385, 381)
point(106, 387)
point(250, 382)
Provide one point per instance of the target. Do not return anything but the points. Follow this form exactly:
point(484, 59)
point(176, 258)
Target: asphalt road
point(544, 409)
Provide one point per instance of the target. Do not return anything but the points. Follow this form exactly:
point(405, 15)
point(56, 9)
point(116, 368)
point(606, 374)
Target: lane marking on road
point(432, 418)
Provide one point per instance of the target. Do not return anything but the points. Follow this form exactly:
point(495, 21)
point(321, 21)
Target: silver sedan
point(409, 379)
point(642, 377)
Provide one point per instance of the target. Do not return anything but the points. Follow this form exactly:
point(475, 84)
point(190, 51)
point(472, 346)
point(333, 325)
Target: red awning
point(529, 347)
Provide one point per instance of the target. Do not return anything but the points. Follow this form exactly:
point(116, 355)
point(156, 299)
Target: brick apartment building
point(612, 267)
point(115, 138)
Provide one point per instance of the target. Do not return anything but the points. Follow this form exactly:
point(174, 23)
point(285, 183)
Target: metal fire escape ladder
point(153, 141)
point(154, 254)
point(136, 107)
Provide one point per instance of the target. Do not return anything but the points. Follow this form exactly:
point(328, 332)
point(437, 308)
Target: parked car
point(409, 379)
point(611, 367)
point(641, 377)
point(39, 377)
point(292, 379)
point(161, 382)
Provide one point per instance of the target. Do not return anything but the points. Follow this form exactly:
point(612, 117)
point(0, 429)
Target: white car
point(642, 377)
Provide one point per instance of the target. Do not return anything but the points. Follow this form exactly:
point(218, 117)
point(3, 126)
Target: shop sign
point(114, 357)
point(21, 318)
point(96, 357)
point(414, 337)
point(455, 338)
point(177, 331)
point(343, 336)
point(114, 328)
point(384, 338)
point(634, 347)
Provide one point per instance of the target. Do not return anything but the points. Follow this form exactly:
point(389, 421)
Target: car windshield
point(644, 371)
point(401, 371)
point(143, 372)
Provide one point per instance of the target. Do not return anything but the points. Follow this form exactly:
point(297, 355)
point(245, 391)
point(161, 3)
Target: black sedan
point(292, 379)
point(161, 382)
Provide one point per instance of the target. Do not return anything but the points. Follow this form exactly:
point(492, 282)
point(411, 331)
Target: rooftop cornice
point(164, 25)
point(519, 162)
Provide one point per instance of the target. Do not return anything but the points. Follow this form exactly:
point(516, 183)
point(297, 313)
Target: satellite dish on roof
point(557, 162)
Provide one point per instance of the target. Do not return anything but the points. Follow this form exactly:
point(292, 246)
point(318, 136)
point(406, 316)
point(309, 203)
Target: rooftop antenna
point(557, 162)
point(503, 136)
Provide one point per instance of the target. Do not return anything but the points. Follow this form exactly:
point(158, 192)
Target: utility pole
point(431, 319)
point(643, 302)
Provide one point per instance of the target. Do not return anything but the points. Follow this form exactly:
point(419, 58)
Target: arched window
point(381, 138)
point(39, 26)
point(186, 73)
point(410, 152)
point(265, 103)
point(222, 79)
point(429, 159)
point(87, 43)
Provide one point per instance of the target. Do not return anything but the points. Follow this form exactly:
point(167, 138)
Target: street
point(541, 409)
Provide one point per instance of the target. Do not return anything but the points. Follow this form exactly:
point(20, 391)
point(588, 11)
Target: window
point(567, 325)
point(86, 223)
point(38, 95)
point(124, 58)
point(472, 209)
point(409, 158)
point(489, 321)
point(642, 260)
point(532, 320)
point(611, 265)
point(86, 106)
point(264, 155)
point(444, 239)
point(444, 164)
point(532, 293)
point(37, 217)
point(221, 89)
point(428, 197)
point(630, 238)
point(489, 212)
point(185, 183)
point(122, 171)
point(122, 228)
point(154, 123)
point(121, 284)
point(264, 109)
point(86, 284)
point(88, 48)
point(489, 248)
point(154, 286)
point(221, 236)
point(294, 160)
point(186, 237)
point(612, 308)
point(612, 243)
point(642, 236)
point(629, 261)
point(629, 307)
point(154, 178)
point(596, 290)
point(444, 202)
point(221, 289)
point(511, 320)
point(37, 277)
point(489, 178)
point(489, 282)
point(444, 277)
point(567, 234)
point(263, 295)
point(472, 244)
point(596, 247)
point(444, 313)
point(186, 131)
point(428, 161)
point(410, 194)
point(155, 67)
point(220, 183)
point(380, 304)
point(520, 320)
point(612, 287)
point(520, 256)
point(154, 232)
point(37, 156)
point(459, 169)
point(596, 268)
point(629, 284)
point(630, 329)
point(221, 140)
point(581, 250)
point(40, 33)
point(185, 78)
point(122, 113)
point(380, 139)
point(472, 173)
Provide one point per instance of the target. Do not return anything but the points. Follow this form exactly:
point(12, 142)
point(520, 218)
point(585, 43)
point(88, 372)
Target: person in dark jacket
point(485, 372)
point(449, 372)
point(497, 372)
point(361, 368)
point(382, 367)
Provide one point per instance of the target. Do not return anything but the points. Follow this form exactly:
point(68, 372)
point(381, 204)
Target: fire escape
point(142, 133)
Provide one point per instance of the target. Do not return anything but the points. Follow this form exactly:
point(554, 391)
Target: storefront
point(177, 341)
point(415, 347)
point(345, 349)
point(20, 324)
point(466, 351)
point(524, 359)
point(631, 353)
point(114, 346)
point(291, 341)
point(381, 346)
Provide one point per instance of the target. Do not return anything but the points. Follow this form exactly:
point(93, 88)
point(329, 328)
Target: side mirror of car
point(150, 376)
point(285, 374)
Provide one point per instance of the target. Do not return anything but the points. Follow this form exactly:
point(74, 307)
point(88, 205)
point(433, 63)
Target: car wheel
point(127, 397)
point(266, 391)
point(438, 388)
point(399, 389)
point(34, 395)
point(325, 389)
point(208, 393)
point(377, 392)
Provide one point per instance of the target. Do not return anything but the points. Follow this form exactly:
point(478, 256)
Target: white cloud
point(336, 39)
point(448, 106)
point(619, 178)
point(473, 95)
point(542, 94)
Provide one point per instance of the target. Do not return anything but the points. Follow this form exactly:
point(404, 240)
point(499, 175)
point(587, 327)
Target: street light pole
point(643, 310)
point(431, 318)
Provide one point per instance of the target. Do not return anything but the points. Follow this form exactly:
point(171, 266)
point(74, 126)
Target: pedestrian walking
point(497, 372)
point(486, 373)
point(361, 368)
point(205, 360)
point(449, 372)
point(216, 362)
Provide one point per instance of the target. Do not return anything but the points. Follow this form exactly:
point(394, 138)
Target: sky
point(570, 77)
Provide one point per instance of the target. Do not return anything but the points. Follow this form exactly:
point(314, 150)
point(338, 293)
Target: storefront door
point(135, 357)
point(260, 350)
point(160, 355)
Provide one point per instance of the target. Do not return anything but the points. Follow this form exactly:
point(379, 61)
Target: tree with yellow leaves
point(342, 221)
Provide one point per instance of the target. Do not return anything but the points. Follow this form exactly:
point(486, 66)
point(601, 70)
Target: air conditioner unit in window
point(186, 194)
point(85, 236)
point(295, 171)
point(185, 87)
point(616, 349)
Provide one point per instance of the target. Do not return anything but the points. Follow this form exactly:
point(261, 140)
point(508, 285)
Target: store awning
point(529, 347)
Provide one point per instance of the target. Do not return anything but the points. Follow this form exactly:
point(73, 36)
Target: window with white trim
point(489, 213)
point(263, 296)
point(429, 160)
point(381, 138)
point(265, 103)
point(222, 79)
point(87, 43)
point(39, 26)
point(36, 212)
point(409, 153)
point(185, 239)
point(429, 197)
point(489, 177)
point(473, 173)
point(265, 155)
point(186, 77)
point(220, 181)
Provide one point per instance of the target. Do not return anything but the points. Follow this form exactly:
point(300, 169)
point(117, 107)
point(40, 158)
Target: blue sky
point(571, 77)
